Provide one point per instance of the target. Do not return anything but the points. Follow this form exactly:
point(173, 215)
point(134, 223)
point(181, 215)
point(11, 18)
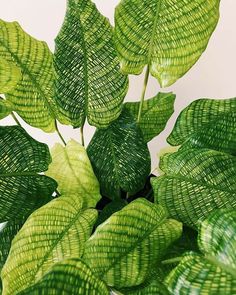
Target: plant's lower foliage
point(54, 232)
point(197, 181)
point(123, 249)
point(120, 157)
point(213, 272)
point(71, 277)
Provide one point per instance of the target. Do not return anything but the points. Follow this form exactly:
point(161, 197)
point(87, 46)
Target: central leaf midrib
point(25, 70)
point(16, 174)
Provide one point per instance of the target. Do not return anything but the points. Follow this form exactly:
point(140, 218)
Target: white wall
point(213, 76)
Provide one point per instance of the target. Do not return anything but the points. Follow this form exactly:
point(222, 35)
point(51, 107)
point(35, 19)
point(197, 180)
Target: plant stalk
point(15, 119)
point(143, 94)
point(59, 133)
point(172, 260)
point(82, 134)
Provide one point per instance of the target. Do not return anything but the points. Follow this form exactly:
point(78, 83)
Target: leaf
point(197, 181)
point(53, 233)
point(5, 108)
point(156, 112)
point(22, 188)
point(214, 272)
point(207, 123)
point(168, 36)
point(120, 157)
point(70, 276)
point(9, 75)
point(89, 83)
point(72, 170)
point(125, 247)
point(33, 96)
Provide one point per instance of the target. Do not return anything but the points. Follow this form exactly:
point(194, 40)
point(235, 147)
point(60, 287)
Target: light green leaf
point(33, 96)
point(10, 75)
point(156, 287)
point(155, 114)
point(168, 36)
point(126, 246)
point(72, 170)
point(197, 181)
point(72, 277)
point(214, 272)
point(51, 234)
point(5, 108)
point(89, 83)
point(207, 123)
point(22, 188)
point(120, 157)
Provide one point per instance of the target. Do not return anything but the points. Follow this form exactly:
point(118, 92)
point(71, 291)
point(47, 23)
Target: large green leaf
point(55, 232)
point(10, 75)
point(5, 108)
point(72, 170)
point(167, 35)
point(120, 157)
point(89, 83)
point(155, 114)
point(33, 96)
point(72, 277)
point(207, 123)
point(123, 249)
point(22, 189)
point(197, 181)
point(214, 272)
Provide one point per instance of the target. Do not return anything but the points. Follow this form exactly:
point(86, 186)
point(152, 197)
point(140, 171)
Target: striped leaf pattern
point(207, 123)
point(167, 35)
point(22, 189)
point(120, 157)
point(156, 112)
point(55, 232)
point(214, 272)
point(197, 181)
point(5, 108)
point(72, 170)
point(33, 96)
point(72, 277)
point(10, 75)
point(154, 288)
point(89, 83)
point(125, 247)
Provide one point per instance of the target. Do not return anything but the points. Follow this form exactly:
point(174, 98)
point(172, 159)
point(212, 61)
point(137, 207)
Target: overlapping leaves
point(125, 247)
point(120, 157)
point(196, 182)
point(89, 83)
point(22, 189)
point(168, 36)
point(72, 170)
point(213, 272)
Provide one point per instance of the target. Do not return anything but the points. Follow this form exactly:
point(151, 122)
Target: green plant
point(92, 223)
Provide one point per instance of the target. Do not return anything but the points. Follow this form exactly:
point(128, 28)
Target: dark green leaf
point(89, 83)
point(120, 157)
point(156, 112)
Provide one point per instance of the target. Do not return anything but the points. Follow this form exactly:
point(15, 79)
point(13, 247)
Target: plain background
point(212, 77)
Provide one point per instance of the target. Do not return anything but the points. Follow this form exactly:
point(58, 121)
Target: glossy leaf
point(125, 247)
point(33, 96)
point(169, 36)
point(53, 233)
point(120, 157)
point(214, 272)
point(197, 181)
point(72, 277)
point(72, 170)
point(156, 112)
point(22, 188)
point(89, 83)
point(10, 75)
point(207, 123)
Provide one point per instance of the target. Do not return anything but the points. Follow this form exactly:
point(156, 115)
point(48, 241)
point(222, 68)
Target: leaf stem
point(15, 119)
point(82, 134)
point(172, 260)
point(143, 94)
point(59, 133)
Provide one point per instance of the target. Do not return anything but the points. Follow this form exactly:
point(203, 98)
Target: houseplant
point(91, 223)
